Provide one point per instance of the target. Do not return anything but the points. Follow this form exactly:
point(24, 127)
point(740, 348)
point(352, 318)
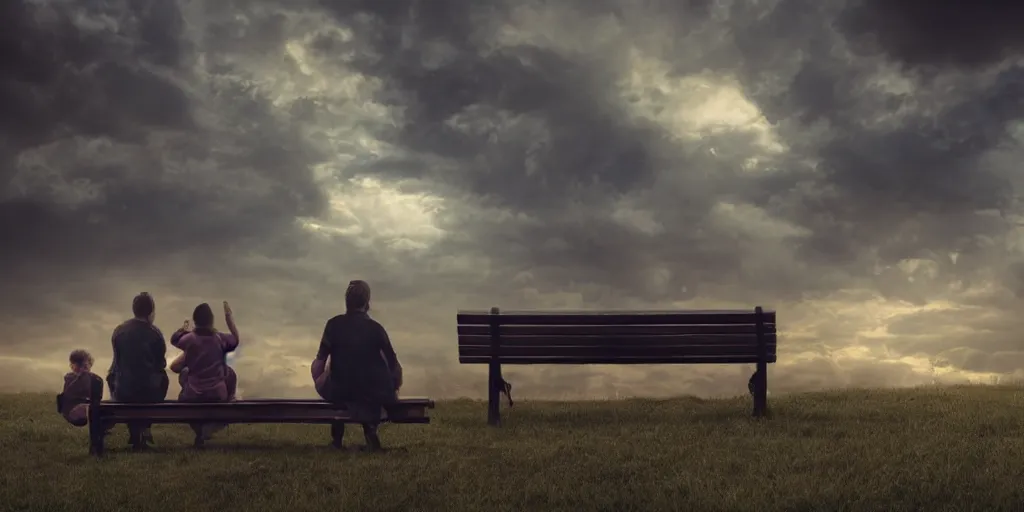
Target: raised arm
point(176, 338)
point(229, 318)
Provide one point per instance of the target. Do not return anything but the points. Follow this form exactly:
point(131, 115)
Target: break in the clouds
point(854, 165)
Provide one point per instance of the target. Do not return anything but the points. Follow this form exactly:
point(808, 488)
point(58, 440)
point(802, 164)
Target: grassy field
point(927, 449)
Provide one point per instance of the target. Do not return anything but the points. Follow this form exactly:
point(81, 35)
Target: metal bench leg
point(760, 377)
point(494, 388)
point(97, 431)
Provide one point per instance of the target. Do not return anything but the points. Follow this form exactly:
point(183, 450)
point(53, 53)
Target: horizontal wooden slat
point(616, 351)
point(254, 411)
point(615, 341)
point(617, 360)
point(612, 330)
point(256, 403)
point(615, 317)
point(301, 418)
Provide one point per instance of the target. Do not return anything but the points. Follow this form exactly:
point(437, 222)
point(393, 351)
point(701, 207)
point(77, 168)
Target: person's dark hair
point(143, 305)
point(80, 358)
point(357, 296)
point(203, 316)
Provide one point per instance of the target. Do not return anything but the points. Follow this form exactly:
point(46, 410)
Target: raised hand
point(187, 326)
point(227, 310)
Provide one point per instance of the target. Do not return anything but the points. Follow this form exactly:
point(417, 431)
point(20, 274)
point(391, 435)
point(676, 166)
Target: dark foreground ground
point(928, 449)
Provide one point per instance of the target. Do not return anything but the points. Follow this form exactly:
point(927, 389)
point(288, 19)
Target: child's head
point(81, 361)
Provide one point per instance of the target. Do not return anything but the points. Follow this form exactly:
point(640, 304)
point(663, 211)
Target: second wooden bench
point(497, 338)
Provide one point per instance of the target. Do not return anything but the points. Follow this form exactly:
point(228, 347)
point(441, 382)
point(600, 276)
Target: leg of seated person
point(231, 381)
point(368, 414)
point(205, 431)
point(159, 395)
point(371, 437)
point(78, 415)
point(323, 389)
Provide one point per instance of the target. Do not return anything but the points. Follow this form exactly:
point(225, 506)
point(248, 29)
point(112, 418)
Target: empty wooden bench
point(105, 414)
point(495, 338)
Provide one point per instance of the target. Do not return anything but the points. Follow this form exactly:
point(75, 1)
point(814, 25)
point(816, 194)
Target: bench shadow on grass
point(631, 413)
point(226, 446)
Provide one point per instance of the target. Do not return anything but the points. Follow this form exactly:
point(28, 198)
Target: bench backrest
point(616, 337)
point(412, 410)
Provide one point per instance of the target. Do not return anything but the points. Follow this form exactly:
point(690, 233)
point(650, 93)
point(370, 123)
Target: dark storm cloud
point(956, 32)
point(882, 167)
point(567, 146)
point(107, 149)
point(542, 134)
point(899, 171)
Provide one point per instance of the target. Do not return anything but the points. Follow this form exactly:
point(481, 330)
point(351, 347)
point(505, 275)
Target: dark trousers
point(359, 410)
point(150, 394)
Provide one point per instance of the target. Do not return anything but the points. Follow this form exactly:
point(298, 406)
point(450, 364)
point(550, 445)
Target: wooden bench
point(617, 337)
point(105, 414)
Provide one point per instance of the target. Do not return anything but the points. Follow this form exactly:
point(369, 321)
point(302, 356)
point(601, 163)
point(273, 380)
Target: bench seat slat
point(619, 360)
point(614, 317)
point(616, 341)
point(616, 351)
point(257, 403)
point(322, 419)
point(254, 411)
point(613, 330)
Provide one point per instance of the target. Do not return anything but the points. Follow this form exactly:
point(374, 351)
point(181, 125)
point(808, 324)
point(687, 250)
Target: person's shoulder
point(376, 325)
point(122, 327)
point(223, 336)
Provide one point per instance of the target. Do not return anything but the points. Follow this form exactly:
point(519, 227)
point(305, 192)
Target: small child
point(73, 402)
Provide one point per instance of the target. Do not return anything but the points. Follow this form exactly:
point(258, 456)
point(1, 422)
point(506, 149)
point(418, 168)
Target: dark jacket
point(363, 362)
point(138, 371)
point(76, 393)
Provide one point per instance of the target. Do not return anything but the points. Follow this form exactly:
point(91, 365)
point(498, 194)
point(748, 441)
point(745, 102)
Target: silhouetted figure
point(73, 401)
point(138, 372)
point(364, 374)
point(203, 370)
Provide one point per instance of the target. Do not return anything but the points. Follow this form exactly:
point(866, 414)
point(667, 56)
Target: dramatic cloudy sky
point(854, 165)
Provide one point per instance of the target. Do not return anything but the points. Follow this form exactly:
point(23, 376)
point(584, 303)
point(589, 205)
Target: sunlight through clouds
point(527, 154)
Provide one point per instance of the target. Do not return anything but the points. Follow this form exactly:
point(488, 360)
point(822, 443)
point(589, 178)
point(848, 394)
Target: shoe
point(209, 429)
point(372, 441)
point(147, 437)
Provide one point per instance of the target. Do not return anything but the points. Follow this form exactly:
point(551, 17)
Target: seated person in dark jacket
point(364, 372)
point(138, 371)
point(73, 402)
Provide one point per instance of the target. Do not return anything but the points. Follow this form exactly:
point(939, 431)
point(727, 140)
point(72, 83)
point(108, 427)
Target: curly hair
point(80, 358)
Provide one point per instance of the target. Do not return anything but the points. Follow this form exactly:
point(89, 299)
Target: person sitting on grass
point(73, 401)
point(202, 367)
point(364, 374)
